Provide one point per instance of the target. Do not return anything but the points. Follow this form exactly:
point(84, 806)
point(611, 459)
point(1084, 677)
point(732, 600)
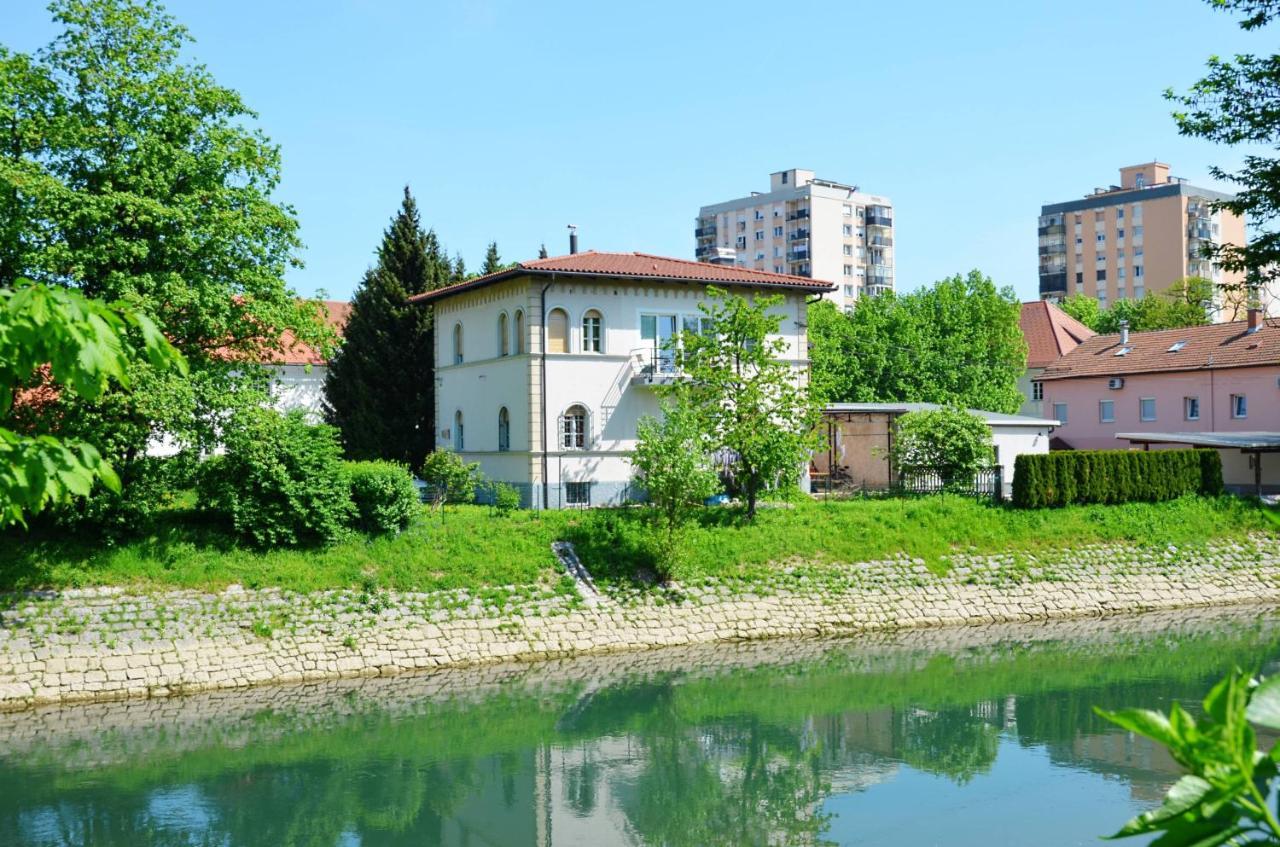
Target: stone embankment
point(108, 644)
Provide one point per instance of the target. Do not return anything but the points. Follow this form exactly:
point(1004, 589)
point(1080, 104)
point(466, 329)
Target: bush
point(152, 485)
point(453, 479)
point(281, 481)
point(950, 442)
point(506, 498)
point(1114, 476)
point(383, 495)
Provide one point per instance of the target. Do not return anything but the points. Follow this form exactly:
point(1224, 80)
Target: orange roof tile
point(1050, 332)
point(337, 312)
point(1224, 345)
point(635, 266)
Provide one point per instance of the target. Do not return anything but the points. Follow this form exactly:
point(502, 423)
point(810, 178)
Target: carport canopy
point(1256, 443)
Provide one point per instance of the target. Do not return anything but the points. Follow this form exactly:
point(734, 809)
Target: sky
point(510, 120)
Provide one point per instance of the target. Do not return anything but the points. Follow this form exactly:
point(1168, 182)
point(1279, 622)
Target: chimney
point(1255, 318)
point(573, 239)
point(1124, 332)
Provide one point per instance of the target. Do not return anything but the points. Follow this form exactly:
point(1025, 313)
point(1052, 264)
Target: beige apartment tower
point(808, 227)
point(1138, 237)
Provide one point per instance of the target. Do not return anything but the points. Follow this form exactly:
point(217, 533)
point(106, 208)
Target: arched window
point(458, 441)
point(504, 430)
point(558, 331)
point(518, 347)
point(504, 340)
point(457, 344)
point(592, 332)
point(573, 428)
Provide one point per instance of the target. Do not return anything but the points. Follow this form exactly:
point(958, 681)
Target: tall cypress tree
point(380, 388)
point(492, 261)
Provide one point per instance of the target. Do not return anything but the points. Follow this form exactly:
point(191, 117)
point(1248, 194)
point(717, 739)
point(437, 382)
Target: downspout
point(542, 390)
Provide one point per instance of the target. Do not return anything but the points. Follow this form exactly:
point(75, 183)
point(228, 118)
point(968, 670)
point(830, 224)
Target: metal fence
point(987, 482)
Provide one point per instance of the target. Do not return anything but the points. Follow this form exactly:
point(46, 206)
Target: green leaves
point(1223, 797)
point(950, 442)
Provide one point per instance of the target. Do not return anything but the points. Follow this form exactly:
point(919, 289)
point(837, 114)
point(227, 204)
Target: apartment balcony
point(798, 255)
point(879, 220)
point(1055, 229)
point(1203, 232)
point(880, 241)
point(798, 235)
point(875, 290)
point(799, 215)
point(704, 250)
point(1052, 249)
point(1053, 284)
point(705, 232)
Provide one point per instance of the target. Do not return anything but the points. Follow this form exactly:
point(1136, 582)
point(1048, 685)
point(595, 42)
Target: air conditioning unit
point(1115, 383)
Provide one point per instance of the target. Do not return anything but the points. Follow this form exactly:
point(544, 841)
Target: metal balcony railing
point(705, 232)
point(655, 364)
point(879, 220)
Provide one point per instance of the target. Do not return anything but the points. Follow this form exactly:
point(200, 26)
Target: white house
point(543, 370)
point(298, 371)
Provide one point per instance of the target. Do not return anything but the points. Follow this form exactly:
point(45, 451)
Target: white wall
point(1013, 441)
point(601, 382)
point(299, 387)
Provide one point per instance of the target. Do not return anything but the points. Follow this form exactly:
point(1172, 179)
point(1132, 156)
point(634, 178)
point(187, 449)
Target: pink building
point(1223, 378)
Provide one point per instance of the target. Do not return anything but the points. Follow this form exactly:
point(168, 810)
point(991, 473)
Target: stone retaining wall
point(106, 644)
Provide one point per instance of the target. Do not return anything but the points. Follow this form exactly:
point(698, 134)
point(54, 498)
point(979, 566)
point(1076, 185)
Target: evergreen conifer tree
point(459, 268)
point(380, 386)
point(492, 261)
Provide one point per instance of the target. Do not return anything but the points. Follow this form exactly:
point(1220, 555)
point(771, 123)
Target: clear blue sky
point(511, 119)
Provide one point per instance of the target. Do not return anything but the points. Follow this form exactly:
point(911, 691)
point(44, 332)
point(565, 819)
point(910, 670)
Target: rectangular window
point(1102, 276)
point(1106, 411)
point(591, 332)
point(848, 230)
point(1119, 233)
point(1147, 409)
point(577, 494)
point(1120, 273)
point(848, 291)
point(759, 255)
point(1137, 211)
point(1137, 270)
point(777, 232)
point(759, 235)
point(1137, 252)
point(848, 249)
point(759, 215)
point(847, 210)
point(1239, 406)
point(1120, 213)
point(778, 269)
point(1137, 232)
point(1191, 408)
point(1120, 255)
point(1060, 412)
point(1079, 278)
point(777, 252)
point(848, 270)
point(1101, 238)
point(1037, 390)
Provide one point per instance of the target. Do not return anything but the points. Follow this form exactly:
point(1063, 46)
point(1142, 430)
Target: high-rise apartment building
point(1140, 236)
point(808, 227)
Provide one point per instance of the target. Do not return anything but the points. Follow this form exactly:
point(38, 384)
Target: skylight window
point(1123, 351)
point(1177, 345)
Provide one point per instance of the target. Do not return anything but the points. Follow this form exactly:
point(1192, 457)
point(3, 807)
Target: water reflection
point(982, 736)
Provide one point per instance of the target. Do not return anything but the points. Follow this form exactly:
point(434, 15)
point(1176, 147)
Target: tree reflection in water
point(686, 756)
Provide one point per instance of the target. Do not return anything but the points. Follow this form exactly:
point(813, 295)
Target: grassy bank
point(472, 547)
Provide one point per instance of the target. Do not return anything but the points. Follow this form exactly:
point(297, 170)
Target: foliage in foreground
point(950, 442)
point(453, 479)
point(281, 481)
point(1223, 799)
point(83, 346)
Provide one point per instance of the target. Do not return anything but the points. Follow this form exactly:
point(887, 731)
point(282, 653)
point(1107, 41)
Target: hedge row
point(1113, 476)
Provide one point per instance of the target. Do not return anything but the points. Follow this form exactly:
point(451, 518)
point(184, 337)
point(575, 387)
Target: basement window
point(577, 494)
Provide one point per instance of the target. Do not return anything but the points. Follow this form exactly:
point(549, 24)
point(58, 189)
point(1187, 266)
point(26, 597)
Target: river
point(966, 736)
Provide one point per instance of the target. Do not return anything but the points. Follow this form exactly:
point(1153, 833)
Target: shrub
point(950, 442)
point(453, 479)
point(383, 495)
point(506, 498)
point(1114, 476)
point(152, 485)
point(281, 481)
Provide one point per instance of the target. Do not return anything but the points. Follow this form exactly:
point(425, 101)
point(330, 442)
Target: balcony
point(705, 232)
point(875, 290)
point(1052, 249)
point(798, 215)
point(1055, 229)
point(704, 250)
point(1053, 284)
point(799, 235)
point(880, 241)
point(879, 220)
point(798, 255)
point(655, 365)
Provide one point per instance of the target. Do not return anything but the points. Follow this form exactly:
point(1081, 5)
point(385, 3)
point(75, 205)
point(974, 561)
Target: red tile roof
point(1224, 345)
point(635, 266)
point(1050, 332)
point(337, 312)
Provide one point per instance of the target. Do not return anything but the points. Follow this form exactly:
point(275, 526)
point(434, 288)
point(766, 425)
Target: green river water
point(970, 736)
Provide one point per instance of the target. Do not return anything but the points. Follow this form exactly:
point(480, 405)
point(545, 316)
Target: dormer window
point(1177, 345)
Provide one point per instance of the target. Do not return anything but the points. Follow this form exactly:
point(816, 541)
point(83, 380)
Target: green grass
point(474, 547)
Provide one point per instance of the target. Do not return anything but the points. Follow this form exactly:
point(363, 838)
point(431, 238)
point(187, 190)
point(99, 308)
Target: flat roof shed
point(1256, 443)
